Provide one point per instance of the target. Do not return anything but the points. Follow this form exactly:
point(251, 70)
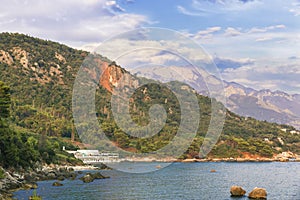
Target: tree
point(4, 100)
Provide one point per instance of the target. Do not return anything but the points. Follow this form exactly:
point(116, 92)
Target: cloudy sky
point(254, 42)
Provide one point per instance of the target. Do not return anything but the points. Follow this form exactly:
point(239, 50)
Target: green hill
point(41, 75)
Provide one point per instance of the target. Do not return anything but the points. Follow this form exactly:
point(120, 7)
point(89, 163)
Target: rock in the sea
point(258, 193)
point(87, 178)
point(103, 166)
point(61, 178)
point(71, 169)
point(30, 177)
point(30, 186)
point(73, 176)
point(63, 170)
point(98, 176)
point(91, 177)
point(51, 175)
point(237, 191)
point(57, 184)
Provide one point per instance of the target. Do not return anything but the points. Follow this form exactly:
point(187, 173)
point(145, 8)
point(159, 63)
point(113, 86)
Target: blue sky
point(254, 42)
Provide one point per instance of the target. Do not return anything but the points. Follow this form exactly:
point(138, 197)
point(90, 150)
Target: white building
point(94, 156)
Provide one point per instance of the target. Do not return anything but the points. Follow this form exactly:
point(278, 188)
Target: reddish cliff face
point(112, 76)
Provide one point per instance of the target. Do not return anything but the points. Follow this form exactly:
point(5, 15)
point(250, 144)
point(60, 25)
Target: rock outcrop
point(5, 57)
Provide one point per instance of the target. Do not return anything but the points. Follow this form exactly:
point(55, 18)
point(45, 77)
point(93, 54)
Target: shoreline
point(73, 167)
point(190, 160)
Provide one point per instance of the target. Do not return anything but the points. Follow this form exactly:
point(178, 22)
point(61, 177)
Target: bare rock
point(237, 191)
point(29, 186)
point(61, 178)
point(99, 176)
point(5, 57)
point(87, 178)
point(258, 193)
point(57, 184)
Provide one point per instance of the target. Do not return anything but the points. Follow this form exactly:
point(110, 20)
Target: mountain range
point(272, 106)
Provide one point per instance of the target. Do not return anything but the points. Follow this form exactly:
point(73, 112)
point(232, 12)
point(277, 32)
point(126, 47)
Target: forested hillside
point(41, 75)
point(21, 148)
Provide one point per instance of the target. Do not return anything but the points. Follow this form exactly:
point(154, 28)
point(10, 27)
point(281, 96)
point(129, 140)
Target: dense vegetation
point(25, 149)
point(41, 75)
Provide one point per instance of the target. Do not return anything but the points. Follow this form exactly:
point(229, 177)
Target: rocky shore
point(240, 160)
point(259, 159)
point(13, 180)
point(247, 157)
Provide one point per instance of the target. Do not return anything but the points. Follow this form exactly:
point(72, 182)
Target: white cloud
point(228, 63)
point(265, 29)
point(295, 11)
point(111, 3)
point(262, 39)
point(210, 30)
point(232, 32)
point(274, 49)
point(247, 42)
point(72, 22)
point(132, 53)
point(201, 8)
point(207, 33)
point(295, 8)
point(185, 11)
point(262, 76)
point(114, 6)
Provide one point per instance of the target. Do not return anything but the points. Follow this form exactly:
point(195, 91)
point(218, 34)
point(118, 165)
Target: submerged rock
point(237, 191)
point(28, 186)
point(73, 176)
point(87, 178)
point(61, 178)
point(258, 193)
point(91, 177)
point(99, 176)
point(51, 175)
point(57, 184)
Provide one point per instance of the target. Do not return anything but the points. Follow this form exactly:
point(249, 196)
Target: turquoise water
point(181, 181)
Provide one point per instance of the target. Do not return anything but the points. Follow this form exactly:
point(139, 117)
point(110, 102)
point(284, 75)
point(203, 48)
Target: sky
point(253, 42)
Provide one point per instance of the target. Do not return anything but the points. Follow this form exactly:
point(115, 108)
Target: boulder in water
point(237, 191)
point(98, 176)
point(87, 178)
point(57, 184)
point(28, 186)
point(258, 193)
point(51, 175)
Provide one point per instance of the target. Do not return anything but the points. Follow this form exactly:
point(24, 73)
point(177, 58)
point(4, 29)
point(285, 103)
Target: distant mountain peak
point(274, 106)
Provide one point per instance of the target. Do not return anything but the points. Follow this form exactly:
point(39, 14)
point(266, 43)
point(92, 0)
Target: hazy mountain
point(272, 106)
point(267, 105)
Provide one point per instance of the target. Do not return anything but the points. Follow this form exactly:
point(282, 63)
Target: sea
point(208, 181)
